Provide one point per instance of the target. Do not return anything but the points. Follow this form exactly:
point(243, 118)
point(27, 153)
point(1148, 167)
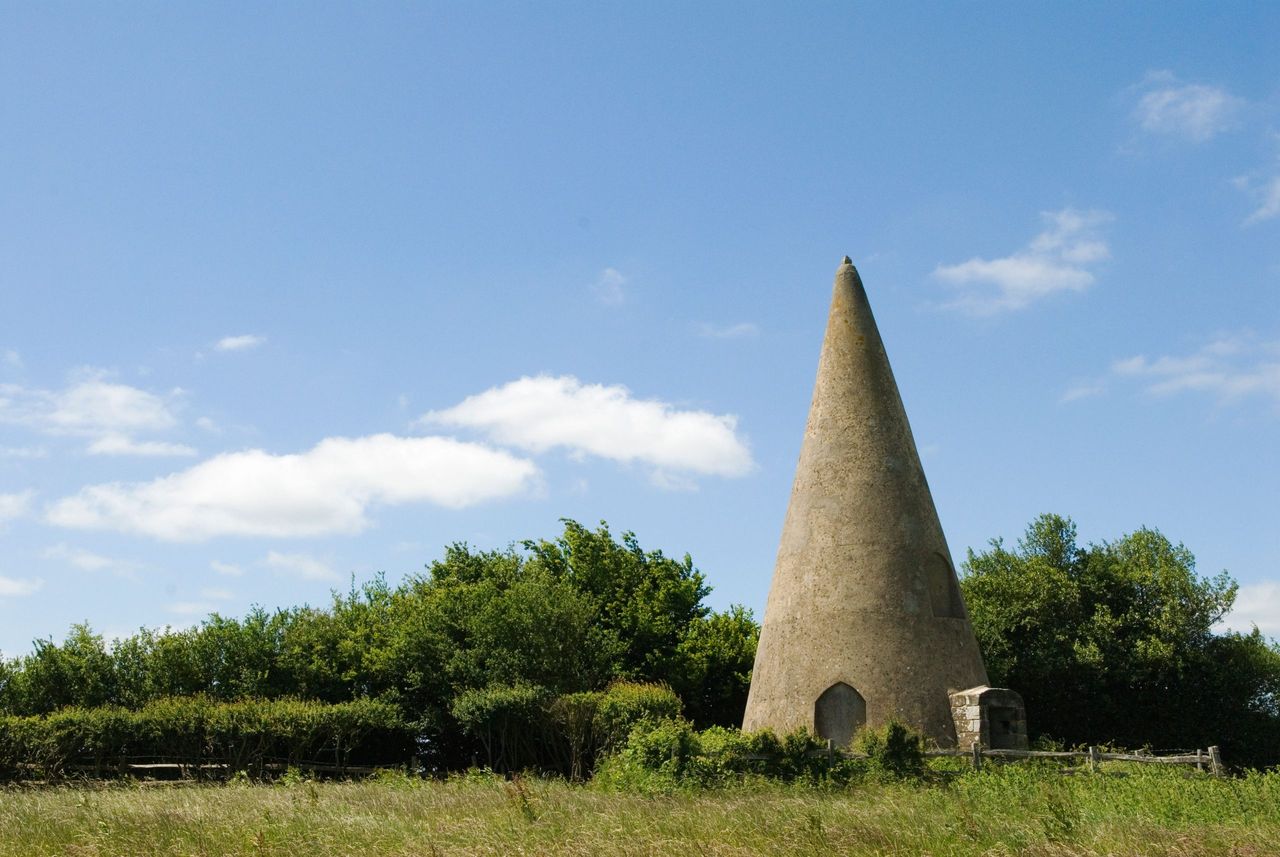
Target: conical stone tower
point(864, 620)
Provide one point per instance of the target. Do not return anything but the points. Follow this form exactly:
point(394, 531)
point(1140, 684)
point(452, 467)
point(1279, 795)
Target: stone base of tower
point(991, 716)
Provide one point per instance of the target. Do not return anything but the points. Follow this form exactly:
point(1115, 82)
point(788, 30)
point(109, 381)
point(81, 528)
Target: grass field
point(1009, 811)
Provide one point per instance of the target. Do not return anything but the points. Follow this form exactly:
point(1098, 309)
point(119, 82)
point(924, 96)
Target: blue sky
point(300, 292)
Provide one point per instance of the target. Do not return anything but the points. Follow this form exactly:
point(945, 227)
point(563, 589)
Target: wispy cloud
point(13, 587)
point(728, 331)
point(1056, 260)
point(1257, 604)
point(609, 287)
point(301, 565)
point(1268, 193)
point(1229, 368)
point(226, 569)
point(89, 561)
point(543, 413)
point(14, 505)
point(118, 444)
point(1264, 187)
point(243, 342)
point(10, 358)
point(327, 489)
point(92, 406)
point(1083, 390)
point(1192, 111)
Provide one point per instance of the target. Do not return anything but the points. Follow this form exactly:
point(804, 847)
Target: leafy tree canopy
point(1114, 642)
point(566, 615)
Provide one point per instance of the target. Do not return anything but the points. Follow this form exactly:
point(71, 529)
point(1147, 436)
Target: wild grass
point(1002, 811)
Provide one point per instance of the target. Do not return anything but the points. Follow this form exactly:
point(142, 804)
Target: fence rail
point(1210, 758)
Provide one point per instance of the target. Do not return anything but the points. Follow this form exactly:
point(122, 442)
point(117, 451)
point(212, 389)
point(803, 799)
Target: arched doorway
point(838, 713)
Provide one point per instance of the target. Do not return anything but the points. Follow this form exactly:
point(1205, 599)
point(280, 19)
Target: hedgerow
point(206, 736)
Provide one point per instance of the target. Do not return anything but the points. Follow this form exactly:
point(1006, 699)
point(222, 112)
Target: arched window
point(944, 590)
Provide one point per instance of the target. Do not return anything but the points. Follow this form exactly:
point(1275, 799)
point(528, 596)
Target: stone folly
point(865, 621)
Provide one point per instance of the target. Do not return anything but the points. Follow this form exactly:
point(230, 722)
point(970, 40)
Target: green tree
point(713, 667)
point(1114, 641)
point(77, 672)
point(644, 600)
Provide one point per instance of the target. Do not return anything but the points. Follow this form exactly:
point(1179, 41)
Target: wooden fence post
point(1199, 759)
point(1215, 761)
point(831, 754)
point(977, 755)
point(1093, 759)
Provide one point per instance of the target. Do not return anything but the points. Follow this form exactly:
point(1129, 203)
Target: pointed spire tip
point(847, 261)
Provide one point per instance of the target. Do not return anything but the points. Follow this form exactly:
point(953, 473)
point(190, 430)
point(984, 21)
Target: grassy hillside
point(1014, 810)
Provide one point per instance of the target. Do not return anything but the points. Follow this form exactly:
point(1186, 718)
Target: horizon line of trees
point(564, 616)
point(1109, 642)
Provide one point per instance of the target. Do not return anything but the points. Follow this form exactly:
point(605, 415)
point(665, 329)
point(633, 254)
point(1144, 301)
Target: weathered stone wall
point(994, 717)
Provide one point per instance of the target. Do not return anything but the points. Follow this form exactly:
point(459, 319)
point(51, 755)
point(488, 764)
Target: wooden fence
point(1210, 758)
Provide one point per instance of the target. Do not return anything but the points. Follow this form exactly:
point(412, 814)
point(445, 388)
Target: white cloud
point(608, 287)
point(118, 444)
point(238, 343)
point(12, 587)
point(1229, 368)
point(301, 565)
point(327, 489)
point(95, 407)
point(544, 413)
point(242, 342)
point(728, 331)
point(1084, 390)
point(14, 505)
point(1264, 187)
point(1054, 261)
point(226, 569)
point(89, 561)
point(1193, 111)
point(1268, 193)
point(1256, 604)
point(90, 407)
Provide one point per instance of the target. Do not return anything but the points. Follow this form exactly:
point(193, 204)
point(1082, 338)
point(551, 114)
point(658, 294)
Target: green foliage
point(245, 736)
point(573, 616)
point(627, 704)
point(642, 602)
point(525, 726)
point(510, 722)
point(669, 754)
point(1114, 642)
point(714, 662)
point(894, 751)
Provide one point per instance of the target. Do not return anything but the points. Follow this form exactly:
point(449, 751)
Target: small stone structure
point(992, 716)
point(865, 619)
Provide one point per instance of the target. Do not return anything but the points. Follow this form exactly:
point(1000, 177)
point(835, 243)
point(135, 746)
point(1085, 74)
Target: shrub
point(244, 736)
point(894, 751)
point(625, 705)
point(509, 721)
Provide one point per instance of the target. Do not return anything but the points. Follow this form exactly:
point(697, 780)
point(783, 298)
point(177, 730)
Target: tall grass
point(1007, 810)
